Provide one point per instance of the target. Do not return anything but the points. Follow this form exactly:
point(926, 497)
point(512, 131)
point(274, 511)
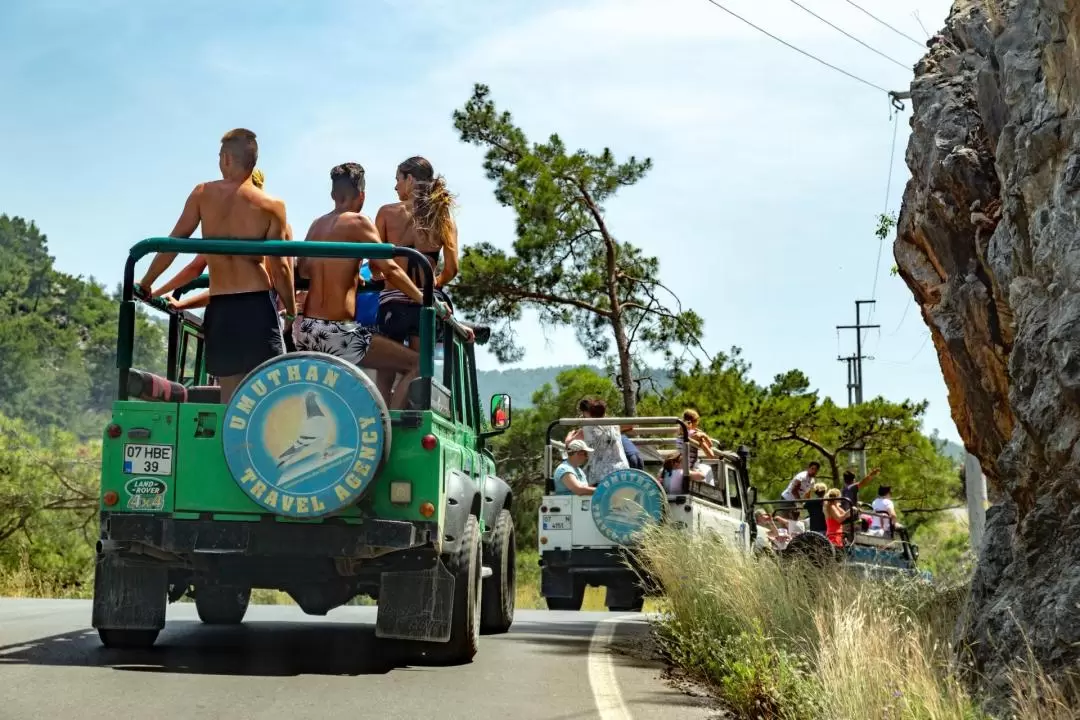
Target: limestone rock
point(988, 242)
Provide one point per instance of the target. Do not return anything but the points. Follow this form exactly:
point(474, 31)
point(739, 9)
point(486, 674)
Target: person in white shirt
point(884, 519)
point(800, 488)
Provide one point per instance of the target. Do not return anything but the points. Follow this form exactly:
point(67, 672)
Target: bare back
point(241, 211)
point(396, 227)
point(332, 290)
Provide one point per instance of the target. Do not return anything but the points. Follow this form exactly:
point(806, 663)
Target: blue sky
point(769, 169)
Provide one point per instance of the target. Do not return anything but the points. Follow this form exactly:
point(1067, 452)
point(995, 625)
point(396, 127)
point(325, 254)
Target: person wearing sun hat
point(569, 478)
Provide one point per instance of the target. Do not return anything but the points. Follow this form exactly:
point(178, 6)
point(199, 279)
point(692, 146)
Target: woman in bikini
point(421, 219)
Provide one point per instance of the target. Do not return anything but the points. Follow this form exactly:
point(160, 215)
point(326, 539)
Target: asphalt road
point(283, 664)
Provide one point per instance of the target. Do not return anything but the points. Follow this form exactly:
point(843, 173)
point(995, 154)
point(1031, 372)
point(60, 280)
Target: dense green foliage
point(58, 338)
point(58, 378)
point(566, 263)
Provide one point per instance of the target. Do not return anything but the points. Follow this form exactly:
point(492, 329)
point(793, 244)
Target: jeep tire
point(466, 565)
point(569, 603)
point(500, 589)
point(222, 604)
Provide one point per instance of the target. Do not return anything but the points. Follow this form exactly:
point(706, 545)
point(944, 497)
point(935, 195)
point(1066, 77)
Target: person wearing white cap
point(569, 477)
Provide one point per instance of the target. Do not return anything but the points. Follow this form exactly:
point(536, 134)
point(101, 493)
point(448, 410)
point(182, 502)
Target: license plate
point(556, 522)
point(148, 459)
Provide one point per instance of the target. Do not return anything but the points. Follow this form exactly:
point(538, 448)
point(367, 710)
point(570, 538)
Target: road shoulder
point(649, 687)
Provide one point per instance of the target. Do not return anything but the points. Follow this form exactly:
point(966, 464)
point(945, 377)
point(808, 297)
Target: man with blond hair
point(241, 322)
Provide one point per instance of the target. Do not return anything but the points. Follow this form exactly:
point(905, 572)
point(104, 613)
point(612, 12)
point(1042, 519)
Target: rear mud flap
point(129, 596)
point(417, 605)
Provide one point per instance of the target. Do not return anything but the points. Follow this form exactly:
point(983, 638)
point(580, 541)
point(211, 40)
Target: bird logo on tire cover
point(624, 501)
point(305, 434)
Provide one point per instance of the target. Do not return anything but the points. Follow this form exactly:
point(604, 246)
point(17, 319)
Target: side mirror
point(751, 496)
point(500, 411)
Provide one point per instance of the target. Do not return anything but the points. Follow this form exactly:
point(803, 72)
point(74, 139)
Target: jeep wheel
point(570, 603)
point(500, 590)
point(466, 565)
point(127, 639)
point(221, 604)
point(811, 547)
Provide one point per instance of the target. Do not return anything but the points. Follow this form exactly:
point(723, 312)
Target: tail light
point(111, 498)
point(428, 442)
point(113, 430)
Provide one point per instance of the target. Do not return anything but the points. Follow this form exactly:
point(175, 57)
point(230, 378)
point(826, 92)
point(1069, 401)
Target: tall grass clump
point(780, 640)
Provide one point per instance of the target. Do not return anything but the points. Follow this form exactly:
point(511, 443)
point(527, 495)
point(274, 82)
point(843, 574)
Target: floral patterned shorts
point(345, 339)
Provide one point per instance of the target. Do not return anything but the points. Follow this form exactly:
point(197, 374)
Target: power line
point(867, 12)
point(919, 20)
point(798, 50)
point(871, 48)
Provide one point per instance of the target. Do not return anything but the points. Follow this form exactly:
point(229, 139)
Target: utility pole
point(855, 376)
point(850, 360)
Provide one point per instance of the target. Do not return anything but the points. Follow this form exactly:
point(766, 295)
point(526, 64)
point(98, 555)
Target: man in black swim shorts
point(241, 322)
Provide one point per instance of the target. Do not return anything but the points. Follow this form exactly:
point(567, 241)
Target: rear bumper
point(265, 538)
point(561, 571)
point(585, 560)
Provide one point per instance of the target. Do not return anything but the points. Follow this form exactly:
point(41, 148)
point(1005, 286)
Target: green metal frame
point(125, 339)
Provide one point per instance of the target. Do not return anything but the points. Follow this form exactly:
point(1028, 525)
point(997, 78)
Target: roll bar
point(617, 421)
point(276, 248)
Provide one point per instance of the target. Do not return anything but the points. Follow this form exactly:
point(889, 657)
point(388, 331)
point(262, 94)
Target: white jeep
point(582, 539)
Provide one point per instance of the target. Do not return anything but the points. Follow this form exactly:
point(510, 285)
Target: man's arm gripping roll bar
point(284, 248)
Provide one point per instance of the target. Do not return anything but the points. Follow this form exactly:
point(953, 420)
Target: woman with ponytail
point(420, 219)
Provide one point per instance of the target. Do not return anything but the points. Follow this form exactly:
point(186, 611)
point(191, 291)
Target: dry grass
point(1035, 696)
point(790, 641)
point(23, 581)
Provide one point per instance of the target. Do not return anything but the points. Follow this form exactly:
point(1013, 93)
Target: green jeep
point(303, 482)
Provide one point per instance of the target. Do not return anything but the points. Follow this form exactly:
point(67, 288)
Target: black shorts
point(400, 319)
point(242, 331)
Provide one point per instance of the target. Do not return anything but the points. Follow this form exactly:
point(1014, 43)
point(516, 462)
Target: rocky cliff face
point(989, 243)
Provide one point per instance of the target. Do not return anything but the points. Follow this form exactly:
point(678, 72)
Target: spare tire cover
point(624, 501)
point(305, 433)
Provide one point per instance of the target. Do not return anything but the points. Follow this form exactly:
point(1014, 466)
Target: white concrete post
point(975, 482)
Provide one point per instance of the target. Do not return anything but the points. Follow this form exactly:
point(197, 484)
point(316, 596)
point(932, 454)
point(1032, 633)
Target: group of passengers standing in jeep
point(595, 451)
point(252, 305)
point(827, 513)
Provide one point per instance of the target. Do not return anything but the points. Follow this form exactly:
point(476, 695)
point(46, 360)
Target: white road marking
point(602, 679)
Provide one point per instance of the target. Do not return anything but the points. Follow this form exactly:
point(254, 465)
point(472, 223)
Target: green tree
point(566, 263)
point(58, 337)
point(48, 501)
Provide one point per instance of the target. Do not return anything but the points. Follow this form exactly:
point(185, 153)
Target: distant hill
point(521, 383)
point(954, 451)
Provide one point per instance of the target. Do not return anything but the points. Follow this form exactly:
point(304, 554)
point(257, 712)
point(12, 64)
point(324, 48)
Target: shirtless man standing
point(328, 324)
point(241, 321)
